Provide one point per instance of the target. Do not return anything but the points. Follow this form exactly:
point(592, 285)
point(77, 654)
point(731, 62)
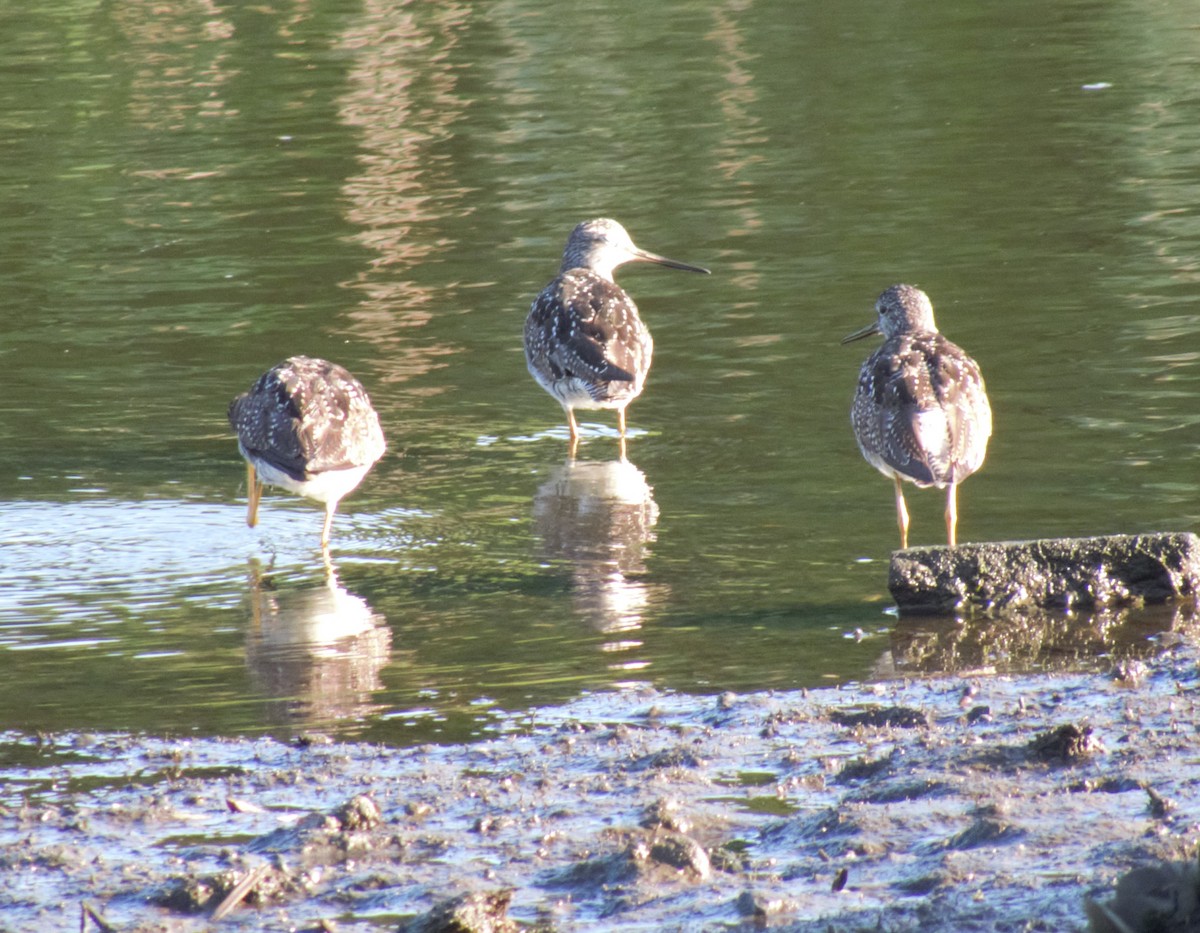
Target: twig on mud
point(239, 892)
point(88, 912)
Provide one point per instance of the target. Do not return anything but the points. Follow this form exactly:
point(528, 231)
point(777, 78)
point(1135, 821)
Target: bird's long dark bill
point(872, 328)
point(671, 263)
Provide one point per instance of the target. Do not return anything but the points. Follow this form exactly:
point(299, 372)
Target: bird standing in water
point(585, 343)
point(306, 425)
point(921, 412)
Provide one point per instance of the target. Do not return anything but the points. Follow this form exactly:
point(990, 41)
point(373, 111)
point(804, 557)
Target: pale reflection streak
point(743, 130)
point(402, 102)
point(182, 52)
point(598, 517)
point(317, 652)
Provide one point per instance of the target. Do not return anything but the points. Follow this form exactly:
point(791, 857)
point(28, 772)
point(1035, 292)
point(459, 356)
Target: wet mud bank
point(985, 802)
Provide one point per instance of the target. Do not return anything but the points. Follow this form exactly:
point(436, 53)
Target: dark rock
point(485, 912)
point(677, 851)
point(1067, 744)
point(358, 813)
point(978, 714)
point(1057, 573)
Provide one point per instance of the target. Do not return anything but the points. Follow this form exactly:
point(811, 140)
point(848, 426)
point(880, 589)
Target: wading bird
point(585, 343)
point(308, 426)
point(920, 412)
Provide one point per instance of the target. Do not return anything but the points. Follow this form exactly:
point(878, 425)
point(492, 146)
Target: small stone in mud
point(860, 769)
point(665, 814)
point(492, 824)
point(1107, 785)
point(897, 717)
point(653, 856)
point(1068, 743)
point(417, 810)
point(485, 912)
point(668, 758)
point(675, 850)
point(359, 813)
point(730, 858)
point(193, 895)
point(760, 908)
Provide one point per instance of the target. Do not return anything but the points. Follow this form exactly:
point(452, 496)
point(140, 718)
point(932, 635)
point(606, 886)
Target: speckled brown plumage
point(920, 411)
point(585, 342)
point(307, 425)
point(585, 328)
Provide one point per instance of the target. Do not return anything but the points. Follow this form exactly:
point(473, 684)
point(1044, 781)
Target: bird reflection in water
point(316, 652)
point(598, 517)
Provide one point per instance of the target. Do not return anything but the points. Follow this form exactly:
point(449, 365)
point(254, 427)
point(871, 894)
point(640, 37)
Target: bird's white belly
point(326, 487)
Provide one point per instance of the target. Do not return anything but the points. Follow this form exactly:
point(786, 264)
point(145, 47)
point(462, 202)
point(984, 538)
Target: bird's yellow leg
point(901, 514)
point(330, 508)
point(621, 422)
point(952, 514)
point(253, 494)
point(572, 426)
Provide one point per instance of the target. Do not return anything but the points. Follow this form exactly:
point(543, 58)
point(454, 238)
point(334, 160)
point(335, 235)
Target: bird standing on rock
point(306, 425)
point(585, 343)
point(920, 412)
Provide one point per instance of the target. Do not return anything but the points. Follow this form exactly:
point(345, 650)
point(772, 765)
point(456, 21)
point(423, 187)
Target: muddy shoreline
point(981, 802)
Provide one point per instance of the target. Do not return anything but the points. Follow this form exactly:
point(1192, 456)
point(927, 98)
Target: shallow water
point(193, 193)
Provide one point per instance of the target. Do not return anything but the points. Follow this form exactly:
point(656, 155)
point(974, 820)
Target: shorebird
point(920, 413)
point(585, 343)
point(306, 425)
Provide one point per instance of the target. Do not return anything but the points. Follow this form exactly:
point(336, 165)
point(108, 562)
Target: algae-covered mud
point(985, 802)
